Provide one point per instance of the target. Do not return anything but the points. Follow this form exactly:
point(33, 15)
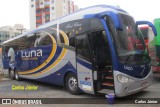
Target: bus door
point(102, 61)
point(84, 64)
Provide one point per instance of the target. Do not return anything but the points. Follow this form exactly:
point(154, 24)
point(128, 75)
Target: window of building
point(32, 5)
point(52, 1)
point(32, 0)
point(52, 8)
point(41, 3)
point(47, 10)
point(47, 17)
point(38, 18)
point(38, 11)
point(52, 14)
point(37, 5)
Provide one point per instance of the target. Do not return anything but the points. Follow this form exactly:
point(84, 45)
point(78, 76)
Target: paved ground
point(53, 91)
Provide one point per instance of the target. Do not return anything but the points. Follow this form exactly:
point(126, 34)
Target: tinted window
point(72, 41)
point(76, 27)
point(42, 38)
point(61, 38)
point(82, 45)
point(144, 32)
point(129, 42)
point(96, 24)
point(100, 48)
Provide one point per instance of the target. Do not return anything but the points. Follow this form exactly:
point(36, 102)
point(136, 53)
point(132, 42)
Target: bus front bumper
point(124, 89)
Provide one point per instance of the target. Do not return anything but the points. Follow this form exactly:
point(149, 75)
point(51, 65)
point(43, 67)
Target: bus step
point(109, 66)
point(110, 71)
point(109, 77)
point(111, 81)
point(107, 71)
point(108, 87)
point(107, 84)
point(106, 91)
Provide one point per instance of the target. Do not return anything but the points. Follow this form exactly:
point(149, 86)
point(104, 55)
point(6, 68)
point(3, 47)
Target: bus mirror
point(149, 24)
point(115, 17)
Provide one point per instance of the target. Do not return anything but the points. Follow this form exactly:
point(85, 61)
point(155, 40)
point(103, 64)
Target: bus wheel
point(72, 84)
point(11, 74)
point(17, 75)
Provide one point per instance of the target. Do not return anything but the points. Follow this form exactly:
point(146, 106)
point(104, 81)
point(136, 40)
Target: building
point(42, 11)
point(7, 32)
point(76, 7)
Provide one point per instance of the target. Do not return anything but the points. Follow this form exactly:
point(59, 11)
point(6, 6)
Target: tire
point(72, 84)
point(17, 75)
point(11, 74)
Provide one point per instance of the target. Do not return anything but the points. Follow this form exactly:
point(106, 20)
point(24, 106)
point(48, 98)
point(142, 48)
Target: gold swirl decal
point(54, 48)
point(61, 56)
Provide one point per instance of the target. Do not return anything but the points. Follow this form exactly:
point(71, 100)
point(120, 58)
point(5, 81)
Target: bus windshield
point(129, 42)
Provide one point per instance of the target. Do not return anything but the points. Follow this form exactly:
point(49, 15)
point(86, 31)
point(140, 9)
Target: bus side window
point(82, 47)
point(72, 41)
point(42, 39)
point(46, 41)
point(95, 24)
point(100, 48)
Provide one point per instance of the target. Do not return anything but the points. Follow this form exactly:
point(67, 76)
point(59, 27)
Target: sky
point(14, 12)
point(17, 11)
point(139, 9)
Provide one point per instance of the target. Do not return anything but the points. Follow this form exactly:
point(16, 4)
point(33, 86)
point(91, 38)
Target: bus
point(153, 43)
point(145, 31)
point(156, 44)
point(96, 50)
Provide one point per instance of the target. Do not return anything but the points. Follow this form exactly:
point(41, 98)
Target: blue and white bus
point(95, 50)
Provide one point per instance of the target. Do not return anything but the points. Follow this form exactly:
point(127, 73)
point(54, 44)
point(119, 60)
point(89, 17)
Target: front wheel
point(72, 84)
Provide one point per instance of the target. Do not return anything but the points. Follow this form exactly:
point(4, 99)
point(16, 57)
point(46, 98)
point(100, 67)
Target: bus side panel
point(26, 63)
point(66, 65)
point(55, 74)
point(58, 76)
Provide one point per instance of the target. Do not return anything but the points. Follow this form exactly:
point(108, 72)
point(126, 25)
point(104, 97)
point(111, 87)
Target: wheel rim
point(72, 83)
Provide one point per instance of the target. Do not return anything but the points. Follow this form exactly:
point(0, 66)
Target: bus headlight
point(124, 79)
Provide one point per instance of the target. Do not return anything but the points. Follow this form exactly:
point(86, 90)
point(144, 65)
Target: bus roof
point(80, 14)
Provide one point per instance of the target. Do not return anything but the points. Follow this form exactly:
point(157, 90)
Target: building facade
point(42, 11)
point(8, 32)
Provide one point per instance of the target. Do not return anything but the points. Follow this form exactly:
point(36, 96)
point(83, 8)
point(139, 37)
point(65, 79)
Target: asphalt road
point(53, 91)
